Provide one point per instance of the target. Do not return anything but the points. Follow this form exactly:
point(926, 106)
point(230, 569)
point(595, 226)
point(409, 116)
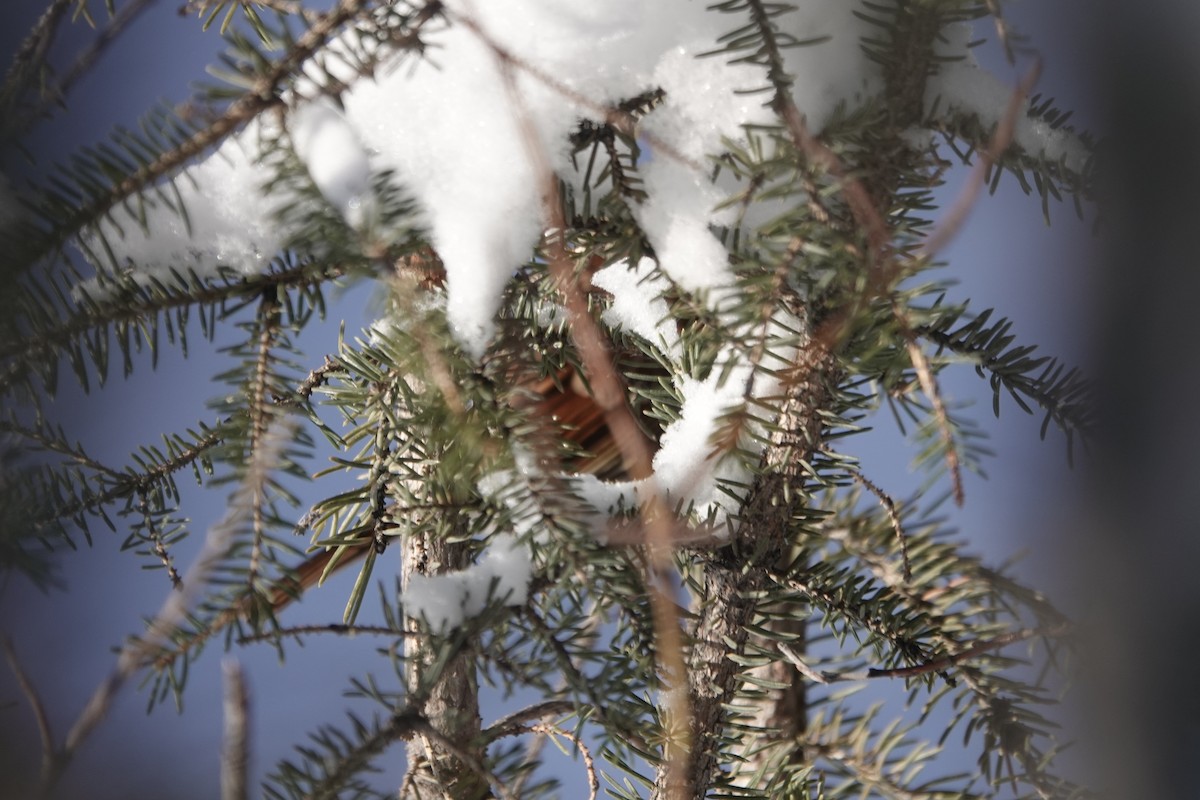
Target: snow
point(229, 222)
point(446, 601)
point(328, 145)
point(963, 86)
point(448, 129)
point(638, 306)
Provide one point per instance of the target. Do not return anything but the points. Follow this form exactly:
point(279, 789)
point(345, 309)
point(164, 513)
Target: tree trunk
point(451, 698)
point(732, 577)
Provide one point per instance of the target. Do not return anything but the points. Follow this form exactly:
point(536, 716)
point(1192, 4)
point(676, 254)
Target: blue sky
point(1006, 257)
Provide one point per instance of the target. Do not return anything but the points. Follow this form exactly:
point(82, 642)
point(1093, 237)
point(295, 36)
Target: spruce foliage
point(674, 650)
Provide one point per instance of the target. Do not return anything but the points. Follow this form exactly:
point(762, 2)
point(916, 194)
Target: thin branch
point(131, 484)
point(889, 505)
point(45, 734)
point(83, 64)
point(235, 751)
point(553, 730)
point(930, 387)
point(269, 316)
point(935, 665)
point(318, 377)
point(159, 546)
point(636, 450)
point(138, 651)
point(515, 722)
point(337, 628)
point(25, 352)
point(952, 222)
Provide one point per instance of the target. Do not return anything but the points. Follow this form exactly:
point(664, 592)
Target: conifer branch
point(174, 609)
point(261, 420)
point(29, 60)
point(129, 483)
point(266, 94)
point(889, 505)
point(56, 94)
point(136, 304)
point(930, 387)
point(935, 665)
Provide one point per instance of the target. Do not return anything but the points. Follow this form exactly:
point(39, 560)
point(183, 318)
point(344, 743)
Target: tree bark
point(450, 699)
point(735, 574)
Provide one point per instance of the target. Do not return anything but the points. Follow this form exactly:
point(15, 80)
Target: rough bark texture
point(451, 703)
point(733, 575)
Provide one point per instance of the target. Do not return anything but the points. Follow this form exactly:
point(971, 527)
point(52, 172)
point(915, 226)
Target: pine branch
point(267, 93)
point(133, 306)
point(18, 124)
point(1064, 394)
point(28, 62)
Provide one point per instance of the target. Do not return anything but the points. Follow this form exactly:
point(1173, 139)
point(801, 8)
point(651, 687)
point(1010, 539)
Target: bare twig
point(83, 63)
point(553, 730)
point(235, 751)
point(930, 387)
point(335, 628)
point(935, 665)
point(45, 734)
point(1003, 32)
point(953, 220)
point(515, 722)
point(889, 505)
point(636, 450)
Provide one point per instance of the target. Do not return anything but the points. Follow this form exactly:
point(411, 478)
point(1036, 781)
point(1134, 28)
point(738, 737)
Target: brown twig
point(636, 450)
point(954, 219)
point(889, 505)
point(45, 734)
point(935, 665)
point(930, 387)
point(553, 730)
point(337, 628)
point(515, 722)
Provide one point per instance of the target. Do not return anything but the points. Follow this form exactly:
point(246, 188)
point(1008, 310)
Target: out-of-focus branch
point(235, 752)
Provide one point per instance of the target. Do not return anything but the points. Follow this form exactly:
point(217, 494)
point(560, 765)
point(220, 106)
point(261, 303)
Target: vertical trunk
point(733, 578)
point(451, 703)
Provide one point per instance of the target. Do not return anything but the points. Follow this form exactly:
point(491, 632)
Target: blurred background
point(1111, 542)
